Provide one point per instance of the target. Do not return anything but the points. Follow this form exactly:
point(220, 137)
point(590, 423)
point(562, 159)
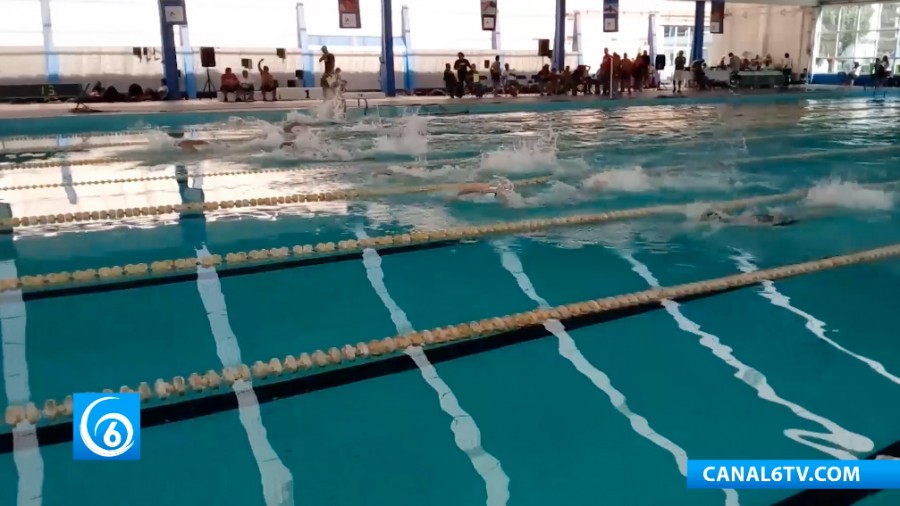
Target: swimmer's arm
point(475, 188)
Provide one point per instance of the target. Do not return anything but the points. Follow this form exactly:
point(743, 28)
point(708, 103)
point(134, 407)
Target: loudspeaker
point(207, 57)
point(137, 52)
point(280, 52)
point(544, 47)
point(247, 63)
point(487, 64)
point(298, 74)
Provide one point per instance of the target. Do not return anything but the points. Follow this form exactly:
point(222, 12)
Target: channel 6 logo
point(106, 426)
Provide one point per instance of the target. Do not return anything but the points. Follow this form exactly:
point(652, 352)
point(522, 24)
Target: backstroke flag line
point(488, 15)
point(349, 13)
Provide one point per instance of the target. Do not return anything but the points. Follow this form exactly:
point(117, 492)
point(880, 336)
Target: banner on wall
point(349, 12)
point(717, 17)
point(610, 15)
point(488, 15)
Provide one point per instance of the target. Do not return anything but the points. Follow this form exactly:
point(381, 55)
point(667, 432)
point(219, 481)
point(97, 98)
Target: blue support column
point(699, 28)
point(408, 69)
point(559, 40)
point(307, 63)
point(187, 62)
point(167, 39)
point(388, 84)
point(577, 38)
point(51, 58)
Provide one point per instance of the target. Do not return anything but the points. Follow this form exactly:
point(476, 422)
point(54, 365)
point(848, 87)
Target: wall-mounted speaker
point(281, 53)
point(207, 57)
point(247, 63)
point(544, 47)
point(137, 52)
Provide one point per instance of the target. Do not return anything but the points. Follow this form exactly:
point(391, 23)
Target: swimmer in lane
point(500, 189)
point(749, 220)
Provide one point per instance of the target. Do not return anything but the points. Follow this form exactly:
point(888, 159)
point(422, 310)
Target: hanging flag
point(610, 15)
point(488, 15)
point(717, 17)
point(349, 12)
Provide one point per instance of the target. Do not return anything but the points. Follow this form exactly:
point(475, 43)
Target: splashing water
point(849, 195)
point(408, 138)
point(523, 158)
point(637, 179)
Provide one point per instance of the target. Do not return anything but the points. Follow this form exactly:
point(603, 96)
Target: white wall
point(763, 29)
point(94, 37)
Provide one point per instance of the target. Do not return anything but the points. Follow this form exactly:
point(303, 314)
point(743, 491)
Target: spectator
point(229, 84)
point(461, 66)
point(495, 75)
point(787, 68)
point(163, 90)
point(246, 90)
point(267, 83)
point(450, 81)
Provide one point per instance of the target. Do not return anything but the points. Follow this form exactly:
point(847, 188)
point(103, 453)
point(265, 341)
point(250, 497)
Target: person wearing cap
point(325, 82)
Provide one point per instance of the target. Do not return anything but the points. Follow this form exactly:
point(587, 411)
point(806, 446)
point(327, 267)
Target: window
point(856, 33)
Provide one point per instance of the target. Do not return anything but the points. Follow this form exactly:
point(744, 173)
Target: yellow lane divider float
point(168, 177)
point(308, 363)
point(275, 255)
point(297, 198)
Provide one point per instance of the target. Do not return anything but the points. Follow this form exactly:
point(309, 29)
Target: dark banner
point(610, 15)
point(717, 17)
point(349, 12)
point(488, 15)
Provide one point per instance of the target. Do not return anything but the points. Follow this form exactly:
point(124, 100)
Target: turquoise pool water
point(602, 414)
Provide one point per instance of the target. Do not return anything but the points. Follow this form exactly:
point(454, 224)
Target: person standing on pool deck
point(787, 68)
point(328, 58)
point(678, 80)
point(461, 66)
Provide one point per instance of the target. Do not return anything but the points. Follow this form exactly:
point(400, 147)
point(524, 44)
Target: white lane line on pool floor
point(26, 452)
point(837, 435)
point(744, 261)
point(465, 430)
point(569, 350)
point(277, 481)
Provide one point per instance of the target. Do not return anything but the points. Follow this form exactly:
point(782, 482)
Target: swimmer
point(289, 126)
point(749, 220)
point(500, 189)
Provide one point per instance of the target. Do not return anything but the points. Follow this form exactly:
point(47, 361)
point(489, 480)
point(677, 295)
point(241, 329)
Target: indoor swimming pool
point(330, 311)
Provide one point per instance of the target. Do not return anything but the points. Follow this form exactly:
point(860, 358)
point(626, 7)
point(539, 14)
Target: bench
point(41, 92)
point(288, 94)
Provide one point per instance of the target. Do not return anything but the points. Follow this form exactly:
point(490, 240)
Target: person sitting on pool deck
point(750, 220)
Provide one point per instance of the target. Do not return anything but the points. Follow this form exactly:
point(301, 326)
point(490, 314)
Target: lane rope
point(196, 383)
point(44, 164)
point(296, 198)
point(276, 255)
point(712, 110)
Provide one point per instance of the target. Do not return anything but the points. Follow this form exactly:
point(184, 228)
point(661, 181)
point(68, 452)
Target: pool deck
point(19, 111)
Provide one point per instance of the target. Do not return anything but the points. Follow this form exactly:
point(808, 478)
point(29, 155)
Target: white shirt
point(787, 63)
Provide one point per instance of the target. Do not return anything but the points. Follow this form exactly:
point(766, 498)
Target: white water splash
point(744, 261)
point(846, 443)
point(849, 195)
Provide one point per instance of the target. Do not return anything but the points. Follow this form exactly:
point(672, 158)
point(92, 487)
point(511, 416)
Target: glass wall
point(680, 38)
point(857, 33)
